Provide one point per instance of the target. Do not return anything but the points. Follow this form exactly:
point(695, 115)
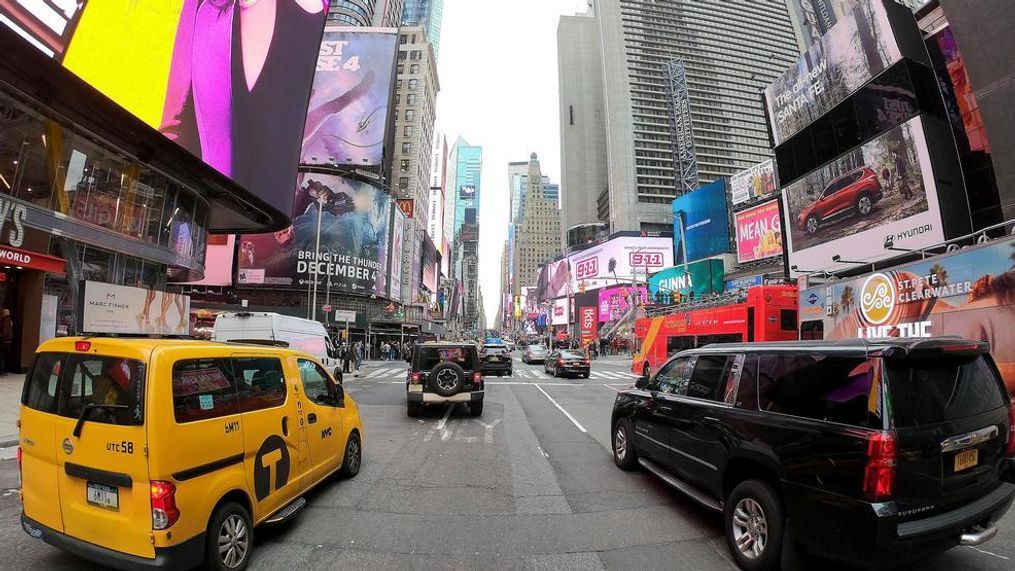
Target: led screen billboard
point(231, 90)
point(969, 293)
point(701, 218)
point(854, 51)
point(560, 312)
point(467, 192)
point(395, 253)
point(615, 301)
point(753, 182)
point(348, 111)
point(852, 207)
point(354, 226)
point(759, 232)
point(429, 279)
point(621, 259)
point(218, 261)
point(695, 280)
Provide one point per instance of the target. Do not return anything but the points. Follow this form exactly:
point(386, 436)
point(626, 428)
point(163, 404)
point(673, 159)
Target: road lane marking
point(447, 414)
point(488, 438)
point(561, 409)
point(987, 552)
point(614, 388)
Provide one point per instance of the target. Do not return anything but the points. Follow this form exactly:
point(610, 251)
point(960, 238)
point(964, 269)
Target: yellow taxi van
point(160, 453)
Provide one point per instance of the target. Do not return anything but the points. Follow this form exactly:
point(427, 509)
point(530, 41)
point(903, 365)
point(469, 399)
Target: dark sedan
point(495, 360)
point(561, 363)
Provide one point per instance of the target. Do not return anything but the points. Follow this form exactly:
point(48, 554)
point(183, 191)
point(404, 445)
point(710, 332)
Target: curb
point(9, 441)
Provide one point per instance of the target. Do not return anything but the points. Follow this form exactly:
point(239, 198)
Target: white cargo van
point(300, 334)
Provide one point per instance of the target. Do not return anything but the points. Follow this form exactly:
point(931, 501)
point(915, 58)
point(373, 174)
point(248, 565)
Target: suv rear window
point(430, 356)
point(821, 387)
point(930, 391)
point(64, 383)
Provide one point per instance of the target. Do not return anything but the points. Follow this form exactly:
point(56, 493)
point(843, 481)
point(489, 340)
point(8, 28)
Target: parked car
point(534, 354)
point(874, 451)
point(444, 372)
point(293, 332)
point(154, 453)
point(561, 363)
point(855, 192)
point(495, 360)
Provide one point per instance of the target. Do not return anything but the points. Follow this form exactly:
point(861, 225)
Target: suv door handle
point(311, 418)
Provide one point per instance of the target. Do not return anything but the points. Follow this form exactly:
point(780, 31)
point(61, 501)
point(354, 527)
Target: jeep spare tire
point(447, 379)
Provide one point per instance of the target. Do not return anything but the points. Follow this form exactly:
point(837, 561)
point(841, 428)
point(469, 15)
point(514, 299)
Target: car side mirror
point(338, 375)
point(336, 396)
point(642, 382)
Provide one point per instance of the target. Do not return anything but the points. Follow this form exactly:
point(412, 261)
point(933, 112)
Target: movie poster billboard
point(348, 111)
point(615, 301)
point(353, 256)
point(173, 65)
point(854, 51)
point(692, 281)
point(969, 293)
point(753, 182)
point(395, 253)
point(759, 232)
point(883, 191)
point(701, 222)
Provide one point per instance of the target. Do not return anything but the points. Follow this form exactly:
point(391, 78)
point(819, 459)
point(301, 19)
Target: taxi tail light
point(19, 466)
point(82, 345)
point(1011, 430)
point(164, 510)
point(879, 473)
point(414, 378)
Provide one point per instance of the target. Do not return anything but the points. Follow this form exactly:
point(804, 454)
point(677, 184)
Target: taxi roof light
point(82, 345)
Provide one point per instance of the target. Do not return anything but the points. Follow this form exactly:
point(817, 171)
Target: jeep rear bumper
point(466, 396)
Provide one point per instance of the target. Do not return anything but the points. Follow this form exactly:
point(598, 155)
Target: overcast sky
point(498, 73)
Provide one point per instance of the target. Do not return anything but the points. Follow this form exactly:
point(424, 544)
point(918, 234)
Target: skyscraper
point(681, 105)
point(465, 166)
point(428, 14)
point(537, 230)
point(381, 13)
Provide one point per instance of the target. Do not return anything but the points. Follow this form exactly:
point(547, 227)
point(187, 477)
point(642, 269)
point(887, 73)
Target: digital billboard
point(701, 218)
point(753, 182)
point(696, 280)
point(429, 278)
point(852, 207)
point(854, 51)
point(218, 261)
point(615, 301)
point(348, 111)
point(395, 253)
point(560, 313)
point(969, 293)
point(588, 323)
point(759, 232)
point(618, 260)
point(229, 85)
point(353, 255)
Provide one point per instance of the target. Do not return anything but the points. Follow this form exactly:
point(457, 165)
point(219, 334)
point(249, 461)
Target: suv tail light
point(560, 362)
point(164, 510)
point(477, 377)
point(1011, 431)
point(414, 378)
point(879, 474)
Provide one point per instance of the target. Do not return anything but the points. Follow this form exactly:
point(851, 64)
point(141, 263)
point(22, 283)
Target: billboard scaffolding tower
point(684, 160)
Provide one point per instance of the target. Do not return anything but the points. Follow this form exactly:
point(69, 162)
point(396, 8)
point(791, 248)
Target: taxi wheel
point(230, 539)
point(353, 457)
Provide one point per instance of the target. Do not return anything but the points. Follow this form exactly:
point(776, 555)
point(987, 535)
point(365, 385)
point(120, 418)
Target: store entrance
point(10, 278)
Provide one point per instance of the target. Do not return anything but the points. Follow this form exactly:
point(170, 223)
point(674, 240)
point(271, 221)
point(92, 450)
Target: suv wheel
point(230, 539)
point(864, 204)
point(812, 224)
point(447, 379)
point(754, 525)
point(624, 455)
point(413, 409)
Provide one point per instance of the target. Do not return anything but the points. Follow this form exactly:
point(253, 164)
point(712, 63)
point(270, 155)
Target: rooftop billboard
point(759, 232)
point(697, 280)
point(231, 90)
point(348, 112)
point(753, 182)
point(705, 216)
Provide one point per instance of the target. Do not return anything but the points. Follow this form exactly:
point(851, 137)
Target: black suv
point(441, 373)
point(868, 452)
point(495, 359)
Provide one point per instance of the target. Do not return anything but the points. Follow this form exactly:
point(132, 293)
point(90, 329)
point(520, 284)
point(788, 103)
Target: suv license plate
point(494, 359)
point(103, 496)
point(415, 388)
point(967, 459)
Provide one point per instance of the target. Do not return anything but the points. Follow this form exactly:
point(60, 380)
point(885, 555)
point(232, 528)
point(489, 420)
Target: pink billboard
point(759, 232)
point(615, 301)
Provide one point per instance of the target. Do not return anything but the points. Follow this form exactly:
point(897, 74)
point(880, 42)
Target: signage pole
point(317, 256)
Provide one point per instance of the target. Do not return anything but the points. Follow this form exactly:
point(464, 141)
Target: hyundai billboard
point(353, 254)
point(759, 232)
point(854, 51)
point(969, 293)
point(701, 220)
point(348, 111)
point(188, 69)
point(882, 194)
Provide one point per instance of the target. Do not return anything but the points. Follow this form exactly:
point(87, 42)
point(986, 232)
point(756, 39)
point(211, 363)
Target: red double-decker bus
point(764, 313)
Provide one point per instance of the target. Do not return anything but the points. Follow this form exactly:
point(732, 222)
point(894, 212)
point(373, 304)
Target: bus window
point(750, 324)
point(787, 319)
point(727, 338)
point(677, 344)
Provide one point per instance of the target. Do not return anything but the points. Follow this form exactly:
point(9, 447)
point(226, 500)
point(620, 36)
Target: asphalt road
point(531, 484)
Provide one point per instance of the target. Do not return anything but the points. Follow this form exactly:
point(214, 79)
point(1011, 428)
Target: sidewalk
point(10, 400)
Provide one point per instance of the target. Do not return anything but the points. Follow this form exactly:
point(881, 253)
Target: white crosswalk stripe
point(382, 373)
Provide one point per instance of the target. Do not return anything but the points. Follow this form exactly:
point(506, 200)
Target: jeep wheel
point(476, 408)
point(812, 224)
point(413, 409)
point(230, 539)
point(447, 379)
point(353, 457)
point(754, 526)
point(624, 455)
point(864, 204)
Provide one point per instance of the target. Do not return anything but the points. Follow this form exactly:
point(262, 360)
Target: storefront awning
point(16, 257)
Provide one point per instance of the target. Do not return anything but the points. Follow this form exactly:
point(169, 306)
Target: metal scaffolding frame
point(685, 163)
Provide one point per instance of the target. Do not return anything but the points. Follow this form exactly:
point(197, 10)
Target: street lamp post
point(321, 199)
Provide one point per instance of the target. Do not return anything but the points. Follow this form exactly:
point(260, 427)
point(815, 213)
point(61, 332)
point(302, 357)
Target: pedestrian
point(357, 356)
point(6, 339)
point(346, 357)
point(385, 351)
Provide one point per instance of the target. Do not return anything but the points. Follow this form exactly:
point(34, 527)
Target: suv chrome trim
point(679, 484)
point(969, 439)
point(681, 452)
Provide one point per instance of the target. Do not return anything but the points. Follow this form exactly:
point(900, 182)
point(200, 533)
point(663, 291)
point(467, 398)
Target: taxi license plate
point(103, 496)
point(415, 388)
point(967, 459)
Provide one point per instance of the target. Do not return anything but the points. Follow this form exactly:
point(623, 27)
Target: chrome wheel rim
point(447, 379)
point(233, 541)
point(865, 205)
point(620, 443)
point(812, 225)
point(352, 455)
point(750, 528)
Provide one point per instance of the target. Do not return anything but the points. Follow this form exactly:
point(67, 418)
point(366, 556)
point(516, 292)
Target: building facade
point(537, 230)
point(681, 86)
point(428, 14)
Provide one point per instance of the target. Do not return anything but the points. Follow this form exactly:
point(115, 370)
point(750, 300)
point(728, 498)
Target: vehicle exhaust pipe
point(978, 535)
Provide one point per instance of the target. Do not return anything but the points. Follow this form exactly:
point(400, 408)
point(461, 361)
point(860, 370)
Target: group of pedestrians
point(394, 351)
point(351, 356)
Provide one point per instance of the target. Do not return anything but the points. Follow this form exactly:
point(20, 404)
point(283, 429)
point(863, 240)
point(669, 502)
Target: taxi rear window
point(65, 383)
